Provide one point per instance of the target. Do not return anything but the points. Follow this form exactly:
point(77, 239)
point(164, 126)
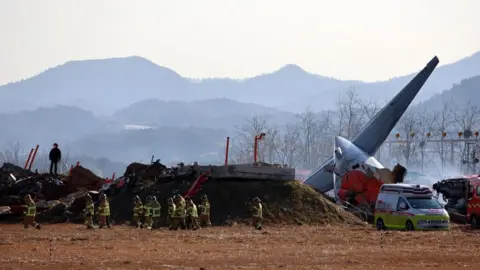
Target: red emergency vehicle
point(462, 196)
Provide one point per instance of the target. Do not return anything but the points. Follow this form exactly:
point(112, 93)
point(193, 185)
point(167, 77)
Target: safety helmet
point(153, 198)
point(256, 199)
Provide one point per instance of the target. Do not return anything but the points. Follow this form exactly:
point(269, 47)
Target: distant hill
point(47, 125)
point(467, 90)
point(108, 85)
point(104, 86)
point(166, 143)
point(213, 113)
point(443, 78)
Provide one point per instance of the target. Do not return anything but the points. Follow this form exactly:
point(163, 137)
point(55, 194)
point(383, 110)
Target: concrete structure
point(246, 171)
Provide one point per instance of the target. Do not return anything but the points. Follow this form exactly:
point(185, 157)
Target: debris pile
point(53, 195)
point(61, 198)
point(146, 171)
point(81, 178)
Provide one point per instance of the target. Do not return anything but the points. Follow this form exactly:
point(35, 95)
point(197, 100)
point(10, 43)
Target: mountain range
point(108, 85)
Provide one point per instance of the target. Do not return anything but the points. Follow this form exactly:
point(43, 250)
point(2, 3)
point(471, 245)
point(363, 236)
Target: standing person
point(103, 211)
point(30, 213)
point(205, 212)
point(137, 211)
point(257, 213)
point(89, 211)
point(178, 217)
point(171, 210)
point(156, 213)
point(148, 213)
point(192, 215)
point(54, 156)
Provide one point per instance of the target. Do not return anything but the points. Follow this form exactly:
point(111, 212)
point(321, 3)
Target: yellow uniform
point(148, 213)
point(156, 213)
point(89, 212)
point(30, 213)
point(171, 209)
point(192, 215)
point(178, 216)
point(103, 212)
point(137, 213)
point(205, 212)
point(257, 214)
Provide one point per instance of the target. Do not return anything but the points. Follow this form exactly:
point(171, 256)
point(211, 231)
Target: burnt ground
point(240, 247)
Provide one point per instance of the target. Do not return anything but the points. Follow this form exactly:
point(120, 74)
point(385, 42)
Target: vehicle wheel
point(474, 222)
point(380, 225)
point(409, 226)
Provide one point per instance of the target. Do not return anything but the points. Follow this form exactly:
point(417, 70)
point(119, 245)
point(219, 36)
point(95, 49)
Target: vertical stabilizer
point(376, 131)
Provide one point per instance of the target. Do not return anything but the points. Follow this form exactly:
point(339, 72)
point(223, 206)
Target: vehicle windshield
point(424, 203)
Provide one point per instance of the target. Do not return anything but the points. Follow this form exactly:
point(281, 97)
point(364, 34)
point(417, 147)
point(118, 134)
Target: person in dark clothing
point(54, 156)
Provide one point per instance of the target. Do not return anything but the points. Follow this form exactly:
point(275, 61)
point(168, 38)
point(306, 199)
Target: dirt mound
point(146, 171)
point(83, 178)
point(287, 202)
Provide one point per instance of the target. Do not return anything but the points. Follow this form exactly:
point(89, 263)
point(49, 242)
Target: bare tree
point(287, 146)
point(350, 114)
point(407, 126)
point(425, 123)
point(467, 118)
point(370, 109)
point(308, 126)
point(243, 142)
point(443, 122)
point(12, 154)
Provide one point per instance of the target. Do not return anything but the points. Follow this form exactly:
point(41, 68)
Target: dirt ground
point(69, 246)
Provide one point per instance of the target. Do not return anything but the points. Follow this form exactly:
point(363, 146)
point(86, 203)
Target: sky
point(347, 39)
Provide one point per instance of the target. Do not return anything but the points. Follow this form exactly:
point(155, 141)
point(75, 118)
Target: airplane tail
point(377, 130)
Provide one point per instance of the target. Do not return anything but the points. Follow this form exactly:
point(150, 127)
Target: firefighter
point(178, 217)
point(89, 211)
point(156, 212)
point(171, 209)
point(137, 211)
point(205, 211)
point(192, 215)
point(148, 212)
point(184, 205)
point(103, 211)
point(257, 213)
point(30, 213)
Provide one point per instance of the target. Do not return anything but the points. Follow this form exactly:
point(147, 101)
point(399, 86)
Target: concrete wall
point(248, 171)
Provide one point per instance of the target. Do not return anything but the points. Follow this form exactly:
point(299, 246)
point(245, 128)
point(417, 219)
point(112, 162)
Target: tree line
point(307, 141)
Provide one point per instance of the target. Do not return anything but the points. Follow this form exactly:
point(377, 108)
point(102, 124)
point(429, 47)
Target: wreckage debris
point(81, 178)
point(53, 195)
point(62, 198)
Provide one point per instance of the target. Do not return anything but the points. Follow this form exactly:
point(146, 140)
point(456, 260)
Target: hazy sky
point(368, 40)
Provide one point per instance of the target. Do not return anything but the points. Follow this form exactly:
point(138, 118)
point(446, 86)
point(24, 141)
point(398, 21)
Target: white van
point(410, 207)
